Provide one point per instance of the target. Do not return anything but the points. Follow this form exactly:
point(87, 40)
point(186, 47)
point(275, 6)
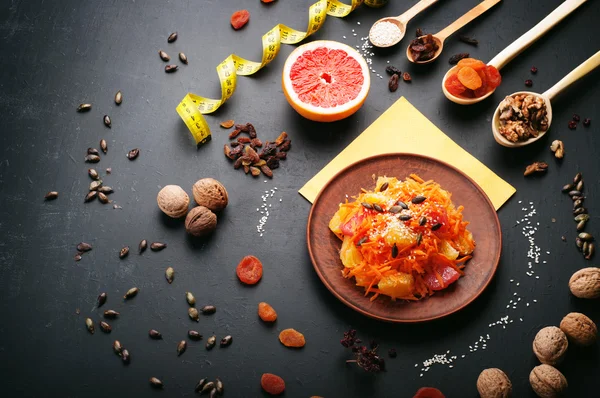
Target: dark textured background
point(57, 54)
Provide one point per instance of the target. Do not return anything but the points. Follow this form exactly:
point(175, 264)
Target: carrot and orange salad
point(404, 239)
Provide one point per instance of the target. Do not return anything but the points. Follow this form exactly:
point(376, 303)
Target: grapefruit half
point(325, 80)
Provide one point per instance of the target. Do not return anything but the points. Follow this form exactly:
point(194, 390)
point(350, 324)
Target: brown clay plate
point(324, 246)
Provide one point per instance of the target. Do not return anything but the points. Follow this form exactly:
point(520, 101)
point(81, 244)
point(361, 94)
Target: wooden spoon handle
point(465, 19)
point(516, 47)
point(586, 67)
point(414, 10)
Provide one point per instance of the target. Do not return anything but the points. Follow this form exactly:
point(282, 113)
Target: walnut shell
point(173, 201)
point(210, 193)
point(580, 329)
point(550, 345)
point(494, 383)
point(200, 221)
point(547, 381)
point(585, 283)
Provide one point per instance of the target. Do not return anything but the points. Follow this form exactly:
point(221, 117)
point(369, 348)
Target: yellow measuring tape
point(192, 106)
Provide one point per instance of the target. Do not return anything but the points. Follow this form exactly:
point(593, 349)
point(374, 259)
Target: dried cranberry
point(587, 121)
point(533, 70)
point(576, 117)
point(572, 124)
point(529, 82)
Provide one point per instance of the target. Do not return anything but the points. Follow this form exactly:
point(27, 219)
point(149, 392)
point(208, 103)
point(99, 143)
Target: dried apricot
point(454, 86)
point(469, 78)
point(493, 76)
point(266, 312)
point(249, 270)
point(471, 63)
point(292, 338)
point(267, 1)
point(272, 384)
point(239, 19)
point(485, 87)
point(429, 392)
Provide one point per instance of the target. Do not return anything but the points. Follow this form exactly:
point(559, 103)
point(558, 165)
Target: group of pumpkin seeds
point(170, 68)
point(204, 386)
point(584, 240)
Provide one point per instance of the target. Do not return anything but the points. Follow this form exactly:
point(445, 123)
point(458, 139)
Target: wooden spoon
point(516, 47)
point(400, 21)
point(576, 74)
point(442, 35)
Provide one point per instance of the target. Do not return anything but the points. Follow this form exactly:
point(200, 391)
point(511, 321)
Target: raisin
point(266, 312)
point(234, 144)
point(457, 57)
point(256, 142)
point(251, 130)
point(468, 40)
point(285, 145)
point(273, 162)
point(234, 134)
point(244, 140)
point(237, 152)
point(393, 70)
point(242, 127)
point(272, 384)
point(406, 77)
point(266, 170)
point(238, 163)
point(270, 149)
point(281, 155)
point(393, 83)
point(227, 150)
point(239, 19)
point(292, 338)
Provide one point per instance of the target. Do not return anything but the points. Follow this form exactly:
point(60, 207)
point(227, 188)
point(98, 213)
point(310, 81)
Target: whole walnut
point(210, 193)
point(550, 345)
point(585, 283)
point(494, 383)
point(547, 381)
point(200, 221)
point(173, 201)
point(580, 329)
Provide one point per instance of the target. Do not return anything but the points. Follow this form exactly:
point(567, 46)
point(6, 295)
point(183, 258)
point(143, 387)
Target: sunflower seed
point(111, 314)
point(574, 193)
point(170, 274)
point(172, 37)
point(90, 196)
point(183, 58)
point(219, 386)
point(418, 199)
point(194, 335)
point(94, 185)
point(567, 188)
point(419, 238)
point(208, 309)
point(436, 226)
point(90, 325)
point(579, 186)
point(124, 252)
point(117, 347)
point(84, 107)
point(367, 205)
point(395, 209)
point(405, 217)
point(581, 225)
point(577, 178)
point(102, 198)
point(92, 159)
point(109, 170)
point(586, 237)
point(133, 154)
point(200, 385)
point(402, 204)
point(101, 299)
point(105, 327)
point(394, 251)
point(77, 257)
point(131, 293)
point(189, 297)
point(422, 220)
point(143, 246)
point(155, 334)
point(210, 342)
point(181, 347)
point(590, 251)
point(171, 68)
point(582, 217)
point(580, 210)
point(51, 195)
point(164, 56)
point(125, 357)
point(105, 189)
point(156, 383)
point(207, 387)
point(384, 186)
point(157, 246)
point(84, 247)
point(93, 151)
point(118, 97)
point(577, 204)
point(212, 393)
point(193, 314)
point(378, 208)
point(107, 121)
point(361, 241)
point(226, 341)
point(93, 174)
point(103, 146)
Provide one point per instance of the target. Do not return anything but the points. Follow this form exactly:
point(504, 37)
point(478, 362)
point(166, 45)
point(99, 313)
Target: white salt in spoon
point(400, 21)
point(516, 47)
point(589, 65)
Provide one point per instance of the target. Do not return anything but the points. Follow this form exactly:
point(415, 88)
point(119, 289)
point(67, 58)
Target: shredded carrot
point(398, 257)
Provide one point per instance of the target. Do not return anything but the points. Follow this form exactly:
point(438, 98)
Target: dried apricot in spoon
point(239, 19)
point(429, 392)
point(249, 270)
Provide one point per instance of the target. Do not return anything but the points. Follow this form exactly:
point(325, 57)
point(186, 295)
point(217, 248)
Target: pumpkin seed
point(142, 246)
point(189, 297)
point(51, 195)
point(111, 314)
point(157, 246)
point(117, 347)
point(378, 208)
point(384, 186)
point(90, 196)
point(193, 314)
point(107, 121)
point(164, 56)
point(118, 97)
point(395, 209)
point(590, 251)
point(155, 334)
point(194, 335)
point(90, 325)
point(579, 244)
point(125, 357)
point(131, 293)
point(124, 252)
point(156, 383)
point(418, 199)
point(101, 299)
point(584, 249)
point(183, 58)
point(209, 309)
point(84, 107)
point(586, 237)
point(367, 205)
point(200, 385)
point(172, 37)
point(394, 251)
point(170, 274)
point(106, 328)
point(210, 342)
point(402, 204)
point(84, 247)
point(226, 341)
point(181, 347)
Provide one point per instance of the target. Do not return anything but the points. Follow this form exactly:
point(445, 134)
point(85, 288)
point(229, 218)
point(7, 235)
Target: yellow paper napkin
point(404, 129)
